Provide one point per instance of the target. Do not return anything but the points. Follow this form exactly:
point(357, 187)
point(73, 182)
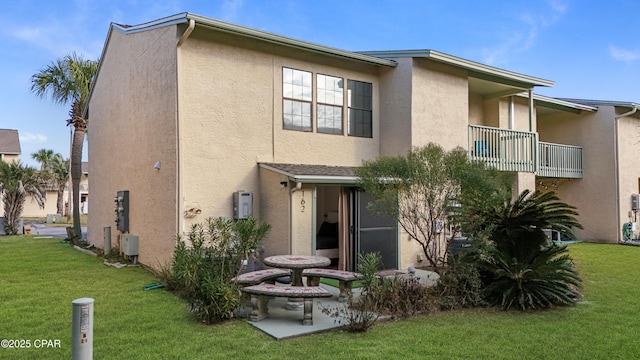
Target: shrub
point(549, 279)
point(460, 286)
point(524, 270)
point(204, 263)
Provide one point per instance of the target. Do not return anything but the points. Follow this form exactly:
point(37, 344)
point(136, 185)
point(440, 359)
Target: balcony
point(502, 149)
point(520, 151)
point(559, 161)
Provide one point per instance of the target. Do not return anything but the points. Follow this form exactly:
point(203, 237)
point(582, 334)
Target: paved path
point(55, 231)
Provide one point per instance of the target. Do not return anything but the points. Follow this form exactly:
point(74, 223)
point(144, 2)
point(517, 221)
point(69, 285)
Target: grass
point(40, 277)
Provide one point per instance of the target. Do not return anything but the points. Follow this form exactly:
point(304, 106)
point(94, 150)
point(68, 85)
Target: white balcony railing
point(505, 150)
point(561, 161)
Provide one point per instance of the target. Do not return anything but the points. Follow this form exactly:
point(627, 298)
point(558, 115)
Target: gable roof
point(9, 142)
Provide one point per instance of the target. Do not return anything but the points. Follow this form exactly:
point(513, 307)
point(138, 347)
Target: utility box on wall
point(130, 245)
point(242, 205)
point(122, 210)
point(635, 201)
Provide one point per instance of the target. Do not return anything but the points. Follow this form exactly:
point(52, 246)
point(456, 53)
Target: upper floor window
point(296, 99)
point(330, 100)
point(360, 103)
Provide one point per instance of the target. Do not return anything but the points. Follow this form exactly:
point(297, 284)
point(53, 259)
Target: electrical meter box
point(122, 210)
point(635, 201)
point(242, 204)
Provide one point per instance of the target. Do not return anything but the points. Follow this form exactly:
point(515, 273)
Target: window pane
point(329, 119)
point(296, 84)
point(360, 102)
point(329, 89)
point(296, 115)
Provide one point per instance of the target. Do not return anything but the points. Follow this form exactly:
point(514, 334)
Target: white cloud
point(623, 54)
point(523, 37)
point(28, 137)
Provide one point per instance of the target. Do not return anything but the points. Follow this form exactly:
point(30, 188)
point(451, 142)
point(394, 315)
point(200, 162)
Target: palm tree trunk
point(76, 174)
point(60, 202)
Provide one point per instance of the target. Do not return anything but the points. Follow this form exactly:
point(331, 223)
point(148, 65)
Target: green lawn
point(40, 278)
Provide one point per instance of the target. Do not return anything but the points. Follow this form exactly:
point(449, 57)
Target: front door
point(373, 233)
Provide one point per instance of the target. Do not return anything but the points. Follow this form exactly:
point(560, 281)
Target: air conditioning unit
point(130, 245)
point(635, 201)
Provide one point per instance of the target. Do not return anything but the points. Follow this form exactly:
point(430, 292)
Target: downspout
point(180, 199)
point(617, 171)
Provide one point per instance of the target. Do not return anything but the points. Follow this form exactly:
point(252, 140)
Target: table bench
point(345, 279)
point(260, 296)
point(259, 276)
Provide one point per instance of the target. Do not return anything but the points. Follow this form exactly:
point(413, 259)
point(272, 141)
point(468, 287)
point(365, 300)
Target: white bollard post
point(82, 329)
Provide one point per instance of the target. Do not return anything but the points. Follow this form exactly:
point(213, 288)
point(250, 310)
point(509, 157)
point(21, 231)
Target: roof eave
point(256, 34)
point(475, 68)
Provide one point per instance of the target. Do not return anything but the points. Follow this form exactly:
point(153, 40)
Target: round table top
point(297, 261)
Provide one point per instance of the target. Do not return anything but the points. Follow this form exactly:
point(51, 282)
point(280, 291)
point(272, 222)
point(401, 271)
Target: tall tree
point(68, 81)
point(44, 157)
point(424, 190)
point(17, 182)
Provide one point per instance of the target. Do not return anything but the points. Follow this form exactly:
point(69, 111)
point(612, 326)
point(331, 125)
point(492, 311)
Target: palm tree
point(59, 175)
point(68, 80)
point(44, 157)
point(17, 182)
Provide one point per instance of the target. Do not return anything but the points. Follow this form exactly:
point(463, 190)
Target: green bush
point(205, 262)
point(549, 279)
point(460, 286)
point(524, 269)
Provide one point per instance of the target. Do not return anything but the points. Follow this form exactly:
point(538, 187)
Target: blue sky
point(591, 49)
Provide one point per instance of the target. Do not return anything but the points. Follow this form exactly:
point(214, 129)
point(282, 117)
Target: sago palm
point(68, 81)
point(525, 270)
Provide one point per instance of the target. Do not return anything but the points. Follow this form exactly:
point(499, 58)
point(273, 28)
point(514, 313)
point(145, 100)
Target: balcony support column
point(522, 182)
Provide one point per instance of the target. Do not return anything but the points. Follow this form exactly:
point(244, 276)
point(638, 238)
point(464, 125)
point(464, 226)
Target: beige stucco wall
point(440, 105)
point(629, 167)
point(395, 108)
point(31, 208)
point(594, 195)
point(274, 209)
point(231, 89)
point(132, 125)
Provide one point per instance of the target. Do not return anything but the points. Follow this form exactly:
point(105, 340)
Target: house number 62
point(302, 202)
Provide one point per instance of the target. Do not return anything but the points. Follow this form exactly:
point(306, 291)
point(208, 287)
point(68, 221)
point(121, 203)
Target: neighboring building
point(186, 111)
point(9, 145)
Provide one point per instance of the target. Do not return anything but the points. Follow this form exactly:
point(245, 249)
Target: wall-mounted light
point(284, 184)
point(157, 165)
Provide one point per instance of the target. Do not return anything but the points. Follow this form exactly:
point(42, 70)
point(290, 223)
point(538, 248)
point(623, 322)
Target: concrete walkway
point(40, 229)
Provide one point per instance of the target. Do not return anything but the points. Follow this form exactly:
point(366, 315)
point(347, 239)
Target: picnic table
point(297, 263)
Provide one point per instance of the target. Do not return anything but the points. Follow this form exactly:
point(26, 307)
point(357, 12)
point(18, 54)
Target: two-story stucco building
point(189, 113)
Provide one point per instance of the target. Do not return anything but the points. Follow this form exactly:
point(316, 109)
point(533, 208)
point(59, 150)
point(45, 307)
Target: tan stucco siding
point(476, 109)
point(274, 209)
point(595, 194)
point(629, 165)
point(31, 208)
point(395, 107)
point(132, 125)
point(232, 119)
point(440, 105)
